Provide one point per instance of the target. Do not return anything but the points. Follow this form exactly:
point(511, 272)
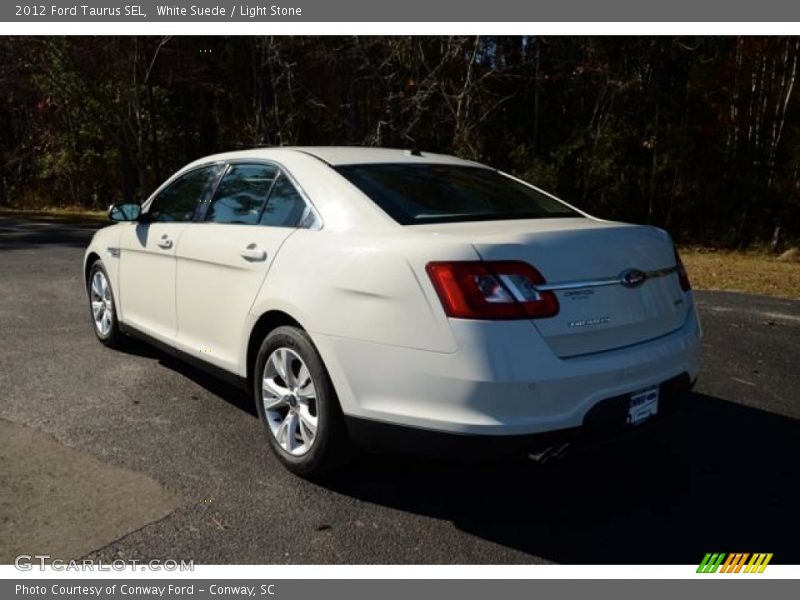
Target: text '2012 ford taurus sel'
point(376, 297)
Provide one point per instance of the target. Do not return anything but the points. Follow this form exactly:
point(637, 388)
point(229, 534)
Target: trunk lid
point(580, 251)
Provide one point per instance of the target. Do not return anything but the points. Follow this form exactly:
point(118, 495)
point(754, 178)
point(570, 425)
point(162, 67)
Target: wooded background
point(695, 134)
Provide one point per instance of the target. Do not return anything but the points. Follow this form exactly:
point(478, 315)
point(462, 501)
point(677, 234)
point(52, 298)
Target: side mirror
point(124, 212)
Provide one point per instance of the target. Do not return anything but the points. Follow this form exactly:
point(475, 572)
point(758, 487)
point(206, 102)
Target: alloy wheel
point(102, 304)
point(290, 401)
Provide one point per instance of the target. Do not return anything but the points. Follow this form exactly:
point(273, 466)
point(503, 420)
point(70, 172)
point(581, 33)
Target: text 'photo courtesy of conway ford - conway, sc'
point(399, 300)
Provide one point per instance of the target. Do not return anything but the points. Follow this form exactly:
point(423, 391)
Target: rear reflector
point(491, 290)
point(683, 277)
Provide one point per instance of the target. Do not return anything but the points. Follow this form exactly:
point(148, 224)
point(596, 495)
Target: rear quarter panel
point(362, 287)
point(370, 289)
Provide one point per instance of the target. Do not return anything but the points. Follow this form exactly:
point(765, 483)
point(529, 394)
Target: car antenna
point(414, 150)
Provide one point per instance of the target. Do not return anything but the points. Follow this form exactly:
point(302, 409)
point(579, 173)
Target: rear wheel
point(101, 306)
point(298, 405)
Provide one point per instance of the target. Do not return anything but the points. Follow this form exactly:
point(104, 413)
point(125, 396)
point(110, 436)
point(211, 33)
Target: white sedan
point(399, 299)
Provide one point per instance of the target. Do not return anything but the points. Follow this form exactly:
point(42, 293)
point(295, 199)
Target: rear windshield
point(425, 193)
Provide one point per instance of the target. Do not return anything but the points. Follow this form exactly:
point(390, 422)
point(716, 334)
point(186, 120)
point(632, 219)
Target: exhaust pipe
point(549, 454)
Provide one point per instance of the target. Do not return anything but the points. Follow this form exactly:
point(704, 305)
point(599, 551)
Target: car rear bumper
point(605, 421)
point(502, 381)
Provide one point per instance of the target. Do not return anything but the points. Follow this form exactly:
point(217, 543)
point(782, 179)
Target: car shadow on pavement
point(718, 477)
point(213, 385)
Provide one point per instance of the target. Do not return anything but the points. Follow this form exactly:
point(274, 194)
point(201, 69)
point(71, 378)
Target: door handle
point(253, 252)
point(165, 242)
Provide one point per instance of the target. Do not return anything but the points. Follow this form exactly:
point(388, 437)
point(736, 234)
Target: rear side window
point(414, 194)
point(241, 194)
point(178, 201)
point(285, 207)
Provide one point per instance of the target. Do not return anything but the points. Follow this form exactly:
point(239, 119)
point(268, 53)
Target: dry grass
point(754, 272)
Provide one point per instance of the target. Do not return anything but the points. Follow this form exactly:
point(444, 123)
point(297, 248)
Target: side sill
point(198, 363)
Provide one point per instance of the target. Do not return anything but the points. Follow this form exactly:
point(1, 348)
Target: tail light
point(686, 285)
point(491, 290)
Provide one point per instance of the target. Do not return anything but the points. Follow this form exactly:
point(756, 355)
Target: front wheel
point(297, 403)
point(101, 306)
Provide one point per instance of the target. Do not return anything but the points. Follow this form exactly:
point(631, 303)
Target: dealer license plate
point(643, 405)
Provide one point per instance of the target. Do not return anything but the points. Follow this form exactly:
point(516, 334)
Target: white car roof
point(348, 155)
point(352, 155)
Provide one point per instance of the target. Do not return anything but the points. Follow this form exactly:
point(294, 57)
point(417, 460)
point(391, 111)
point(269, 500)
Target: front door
point(147, 258)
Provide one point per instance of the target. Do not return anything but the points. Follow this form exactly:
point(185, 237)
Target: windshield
point(413, 194)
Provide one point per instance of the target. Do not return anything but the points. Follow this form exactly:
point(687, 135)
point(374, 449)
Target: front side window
point(285, 207)
point(241, 194)
point(178, 201)
point(414, 194)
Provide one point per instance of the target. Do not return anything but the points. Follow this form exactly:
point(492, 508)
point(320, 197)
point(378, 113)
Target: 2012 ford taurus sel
point(384, 298)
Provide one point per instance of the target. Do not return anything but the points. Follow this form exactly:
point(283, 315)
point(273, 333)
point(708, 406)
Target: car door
point(147, 257)
point(223, 260)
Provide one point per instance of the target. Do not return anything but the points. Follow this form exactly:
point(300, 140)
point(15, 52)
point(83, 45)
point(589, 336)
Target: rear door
point(223, 258)
point(147, 258)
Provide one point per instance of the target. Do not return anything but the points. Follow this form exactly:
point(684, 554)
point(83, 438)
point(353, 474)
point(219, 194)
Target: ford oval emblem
point(633, 278)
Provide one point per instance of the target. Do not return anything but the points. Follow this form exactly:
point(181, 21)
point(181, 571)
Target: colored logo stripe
point(734, 562)
point(710, 563)
point(759, 561)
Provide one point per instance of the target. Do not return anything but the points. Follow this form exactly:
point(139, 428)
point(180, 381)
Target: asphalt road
point(724, 476)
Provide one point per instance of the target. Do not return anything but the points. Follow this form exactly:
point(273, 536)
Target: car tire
point(298, 406)
point(102, 308)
